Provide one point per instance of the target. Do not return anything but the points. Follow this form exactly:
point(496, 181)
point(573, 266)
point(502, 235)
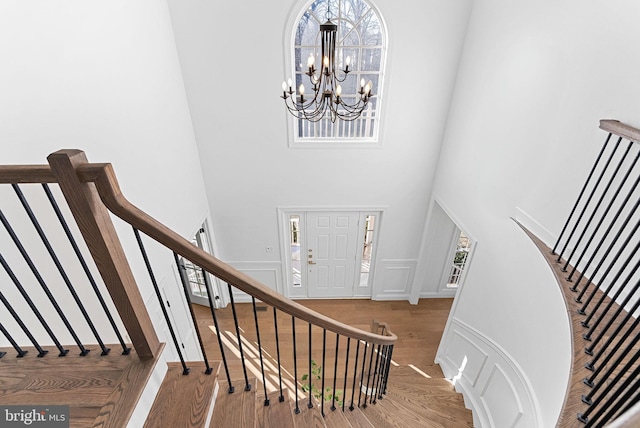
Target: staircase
point(259, 360)
point(412, 400)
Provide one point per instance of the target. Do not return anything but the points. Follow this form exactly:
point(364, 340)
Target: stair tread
point(387, 413)
point(243, 400)
point(357, 419)
point(442, 411)
point(335, 418)
point(308, 417)
point(183, 400)
point(277, 414)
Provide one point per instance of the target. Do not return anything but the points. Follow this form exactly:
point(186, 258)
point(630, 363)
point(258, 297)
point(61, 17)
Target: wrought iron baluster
point(346, 372)
point(56, 208)
point(156, 288)
point(586, 205)
point(19, 350)
point(612, 318)
point(366, 393)
point(16, 317)
point(207, 285)
point(43, 237)
point(611, 409)
point(324, 353)
point(364, 363)
point(247, 385)
point(275, 323)
point(604, 215)
point(584, 188)
point(386, 376)
point(33, 307)
point(335, 373)
point(614, 241)
point(355, 375)
point(264, 381)
point(595, 210)
point(44, 287)
point(295, 365)
point(600, 200)
point(375, 374)
point(310, 403)
point(591, 364)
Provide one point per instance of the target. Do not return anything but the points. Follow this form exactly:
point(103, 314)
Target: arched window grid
point(361, 36)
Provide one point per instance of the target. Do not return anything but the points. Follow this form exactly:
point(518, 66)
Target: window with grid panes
point(361, 37)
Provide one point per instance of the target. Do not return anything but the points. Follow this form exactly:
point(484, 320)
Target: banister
point(104, 178)
point(109, 190)
point(620, 129)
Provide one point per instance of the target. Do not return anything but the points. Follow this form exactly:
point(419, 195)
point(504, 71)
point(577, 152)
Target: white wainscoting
point(492, 383)
point(394, 279)
point(268, 273)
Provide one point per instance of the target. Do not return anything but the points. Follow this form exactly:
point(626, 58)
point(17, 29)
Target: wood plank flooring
point(98, 389)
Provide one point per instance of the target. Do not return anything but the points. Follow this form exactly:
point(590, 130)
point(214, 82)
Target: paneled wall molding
point(492, 382)
point(394, 278)
point(267, 272)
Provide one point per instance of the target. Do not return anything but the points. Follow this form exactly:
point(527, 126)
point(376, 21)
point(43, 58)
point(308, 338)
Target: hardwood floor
point(418, 327)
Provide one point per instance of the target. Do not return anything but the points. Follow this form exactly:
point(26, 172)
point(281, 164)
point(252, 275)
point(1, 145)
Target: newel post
point(102, 240)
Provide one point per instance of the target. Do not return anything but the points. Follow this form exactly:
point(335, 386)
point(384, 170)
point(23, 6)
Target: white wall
point(232, 60)
point(103, 77)
point(534, 80)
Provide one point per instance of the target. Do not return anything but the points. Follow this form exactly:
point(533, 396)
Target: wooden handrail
point(104, 178)
point(620, 129)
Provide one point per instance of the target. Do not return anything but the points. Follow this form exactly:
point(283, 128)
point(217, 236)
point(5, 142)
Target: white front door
point(331, 254)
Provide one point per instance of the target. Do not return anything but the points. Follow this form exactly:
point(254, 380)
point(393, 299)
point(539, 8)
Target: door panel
point(332, 253)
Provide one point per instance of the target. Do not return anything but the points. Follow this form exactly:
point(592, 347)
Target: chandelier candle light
point(327, 92)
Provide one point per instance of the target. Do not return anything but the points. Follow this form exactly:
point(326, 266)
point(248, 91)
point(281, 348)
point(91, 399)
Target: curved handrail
point(103, 176)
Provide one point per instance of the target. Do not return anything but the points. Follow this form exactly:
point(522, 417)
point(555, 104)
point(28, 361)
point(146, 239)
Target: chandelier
point(326, 92)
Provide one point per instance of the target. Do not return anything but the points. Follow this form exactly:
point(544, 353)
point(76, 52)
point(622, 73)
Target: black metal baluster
point(247, 385)
point(374, 391)
point(125, 350)
point(355, 375)
point(612, 409)
point(386, 377)
point(366, 393)
point(207, 285)
point(324, 353)
point(43, 285)
point(593, 191)
point(310, 403)
point(346, 372)
point(19, 350)
point(63, 274)
point(631, 402)
point(7, 304)
point(600, 200)
point(604, 295)
point(295, 364)
point(381, 369)
point(610, 384)
point(264, 381)
point(35, 310)
point(611, 319)
point(619, 328)
point(275, 324)
point(364, 363)
point(591, 364)
point(185, 369)
point(185, 286)
point(613, 282)
point(593, 404)
point(604, 215)
point(584, 187)
point(335, 373)
point(614, 241)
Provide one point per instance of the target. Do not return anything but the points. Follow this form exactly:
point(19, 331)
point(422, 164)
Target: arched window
point(361, 37)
